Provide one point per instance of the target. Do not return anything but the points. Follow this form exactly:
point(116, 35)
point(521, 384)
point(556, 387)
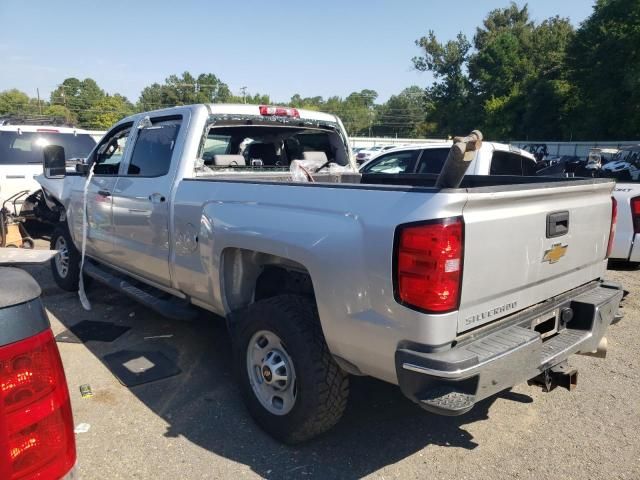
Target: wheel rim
point(271, 373)
point(62, 257)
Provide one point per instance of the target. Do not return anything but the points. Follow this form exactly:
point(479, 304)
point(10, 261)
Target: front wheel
point(290, 383)
point(65, 266)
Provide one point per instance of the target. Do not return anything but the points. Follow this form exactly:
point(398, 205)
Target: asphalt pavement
point(193, 425)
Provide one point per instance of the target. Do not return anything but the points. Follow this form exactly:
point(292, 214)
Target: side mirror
point(54, 161)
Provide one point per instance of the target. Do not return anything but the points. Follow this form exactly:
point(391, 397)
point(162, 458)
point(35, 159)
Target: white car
point(21, 147)
point(492, 159)
point(625, 165)
point(372, 152)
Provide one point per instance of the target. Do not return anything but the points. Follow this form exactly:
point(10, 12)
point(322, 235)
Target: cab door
point(140, 199)
point(106, 160)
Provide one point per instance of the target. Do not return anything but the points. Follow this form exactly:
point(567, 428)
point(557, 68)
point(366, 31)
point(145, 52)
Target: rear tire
point(290, 383)
point(65, 266)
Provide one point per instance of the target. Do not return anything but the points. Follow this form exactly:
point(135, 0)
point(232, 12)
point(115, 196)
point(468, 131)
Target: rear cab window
point(269, 147)
point(432, 160)
point(510, 163)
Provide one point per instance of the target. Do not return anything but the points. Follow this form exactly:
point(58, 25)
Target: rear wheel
point(65, 266)
point(290, 383)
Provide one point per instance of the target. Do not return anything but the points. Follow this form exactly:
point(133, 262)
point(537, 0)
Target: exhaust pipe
point(458, 160)
point(600, 351)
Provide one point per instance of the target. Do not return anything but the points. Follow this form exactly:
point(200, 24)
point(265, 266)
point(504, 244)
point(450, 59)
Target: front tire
point(290, 383)
point(65, 266)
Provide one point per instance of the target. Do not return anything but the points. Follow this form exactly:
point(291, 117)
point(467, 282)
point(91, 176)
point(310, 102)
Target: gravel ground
point(194, 426)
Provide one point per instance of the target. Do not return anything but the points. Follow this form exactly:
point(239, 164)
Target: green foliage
point(448, 101)
point(61, 111)
point(403, 115)
point(603, 62)
point(184, 90)
point(15, 101)
point(513, 83)
point(107, 111)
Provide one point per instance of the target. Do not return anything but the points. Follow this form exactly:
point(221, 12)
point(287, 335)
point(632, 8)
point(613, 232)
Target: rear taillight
point(36, 425)
point(428, 265)
point(612, 229)
point(635, 214)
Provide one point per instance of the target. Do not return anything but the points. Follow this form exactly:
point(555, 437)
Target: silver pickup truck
point(258, 214)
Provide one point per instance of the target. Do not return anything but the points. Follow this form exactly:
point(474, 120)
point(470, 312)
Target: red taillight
point(428, 265)
point(36, 424)
point(635, 214)
point(612, 229)
point(279, 111)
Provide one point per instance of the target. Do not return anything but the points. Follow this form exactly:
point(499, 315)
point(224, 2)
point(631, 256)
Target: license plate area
point(546, 325)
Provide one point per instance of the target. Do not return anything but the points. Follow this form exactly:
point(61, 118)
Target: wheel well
point(249, 276)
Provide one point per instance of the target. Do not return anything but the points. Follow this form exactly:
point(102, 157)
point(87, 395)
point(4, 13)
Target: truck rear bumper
point(493, 359)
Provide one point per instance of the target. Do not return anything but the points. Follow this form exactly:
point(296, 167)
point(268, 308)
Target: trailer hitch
point(561, 375)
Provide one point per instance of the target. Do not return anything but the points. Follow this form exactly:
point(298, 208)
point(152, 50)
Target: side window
point(432, 160)
point(396, 162)
point(110, 151)
point(153, 149)
point(506, 163)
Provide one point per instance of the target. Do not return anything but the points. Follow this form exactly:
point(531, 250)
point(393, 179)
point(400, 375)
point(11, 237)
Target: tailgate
point(510, 261)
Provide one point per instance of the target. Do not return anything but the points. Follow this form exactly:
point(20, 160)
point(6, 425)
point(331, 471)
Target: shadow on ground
point(203, 404)
point(623, 266)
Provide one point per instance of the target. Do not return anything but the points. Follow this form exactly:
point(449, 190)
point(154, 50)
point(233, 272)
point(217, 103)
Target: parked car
point(21, 142)
point(368, 153)
point(36, 424)
point(492, 159)
point(333, 273)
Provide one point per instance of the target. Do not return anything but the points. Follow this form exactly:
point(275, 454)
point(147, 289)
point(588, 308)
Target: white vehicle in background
point(492, 159)
point(21, 142)
point(625, 167)
point(369, 153)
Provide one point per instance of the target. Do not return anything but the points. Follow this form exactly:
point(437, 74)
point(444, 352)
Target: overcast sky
point(277, 47)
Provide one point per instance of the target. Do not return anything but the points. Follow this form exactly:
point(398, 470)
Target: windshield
point(26, 147)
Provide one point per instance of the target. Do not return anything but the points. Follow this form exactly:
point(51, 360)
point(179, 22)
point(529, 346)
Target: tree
point(15, 101)
point(62, 112)
point(512, 84)
point(402, 115)
point(184, 90)
point(603, 61)
point(79, 97)
point(448, 100)
point(107, 111)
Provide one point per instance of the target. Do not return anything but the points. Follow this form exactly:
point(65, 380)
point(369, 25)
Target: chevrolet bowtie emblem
point(555, 253)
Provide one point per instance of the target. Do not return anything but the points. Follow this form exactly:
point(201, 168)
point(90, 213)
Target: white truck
point(21, 142)
point(452, 291)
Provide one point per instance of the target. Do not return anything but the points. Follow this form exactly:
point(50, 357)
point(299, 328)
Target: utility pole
point(244, 94)
point(39, 104)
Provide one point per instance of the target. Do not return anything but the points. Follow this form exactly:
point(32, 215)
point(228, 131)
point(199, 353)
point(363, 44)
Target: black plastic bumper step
point(159, 301)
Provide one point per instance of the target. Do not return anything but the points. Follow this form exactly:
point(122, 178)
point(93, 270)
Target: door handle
point(156, 198)
point(104, 193)
point(557, 224)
